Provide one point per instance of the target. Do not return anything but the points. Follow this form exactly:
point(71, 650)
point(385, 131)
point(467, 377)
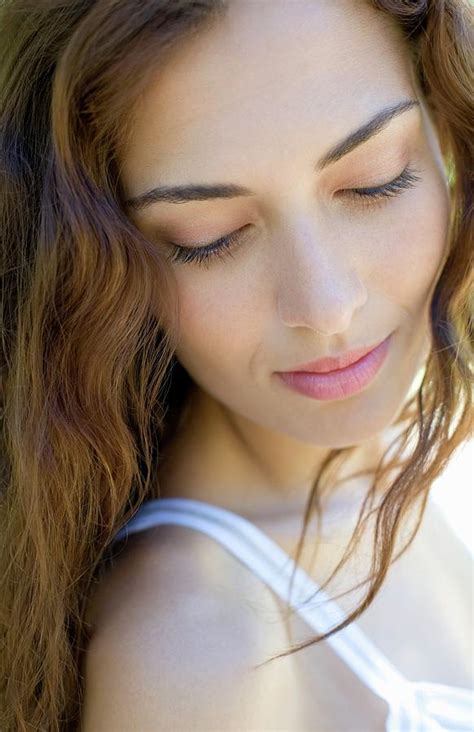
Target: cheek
point(414, 243)
point(218, 324)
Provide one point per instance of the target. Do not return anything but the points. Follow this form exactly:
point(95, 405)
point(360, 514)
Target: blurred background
point(453, 491)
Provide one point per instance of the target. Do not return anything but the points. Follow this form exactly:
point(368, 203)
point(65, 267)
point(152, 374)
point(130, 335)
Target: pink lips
point(330, 363)
point(338, 381)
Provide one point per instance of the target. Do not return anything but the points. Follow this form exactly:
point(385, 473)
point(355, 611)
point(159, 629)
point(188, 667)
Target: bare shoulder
point(180, 625)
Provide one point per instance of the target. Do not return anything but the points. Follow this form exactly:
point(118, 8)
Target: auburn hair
point(90, 390)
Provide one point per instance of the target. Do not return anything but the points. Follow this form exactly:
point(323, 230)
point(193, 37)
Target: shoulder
point(179, 626)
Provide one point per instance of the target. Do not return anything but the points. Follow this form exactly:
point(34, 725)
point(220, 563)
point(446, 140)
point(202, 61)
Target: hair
point(90, 391)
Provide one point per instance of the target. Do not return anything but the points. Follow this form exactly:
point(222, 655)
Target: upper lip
point(330, 363)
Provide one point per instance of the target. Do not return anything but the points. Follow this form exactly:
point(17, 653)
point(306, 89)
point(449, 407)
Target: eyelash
point(221, 248)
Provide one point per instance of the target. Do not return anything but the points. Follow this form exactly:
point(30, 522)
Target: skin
point(255, 101)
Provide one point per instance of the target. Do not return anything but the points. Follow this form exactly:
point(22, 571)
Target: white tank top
point(413, 706)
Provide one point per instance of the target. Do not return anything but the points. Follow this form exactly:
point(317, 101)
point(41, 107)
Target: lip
point(338, 382)
point(330, 363)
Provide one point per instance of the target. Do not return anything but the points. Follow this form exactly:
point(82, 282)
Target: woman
point(200, 199)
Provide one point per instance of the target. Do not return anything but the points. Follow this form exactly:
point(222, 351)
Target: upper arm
point(173, 651)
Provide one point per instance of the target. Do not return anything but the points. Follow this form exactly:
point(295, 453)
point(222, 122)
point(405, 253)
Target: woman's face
point(257, 102)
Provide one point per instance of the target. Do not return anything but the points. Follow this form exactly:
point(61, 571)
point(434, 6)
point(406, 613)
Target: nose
point(319, 286)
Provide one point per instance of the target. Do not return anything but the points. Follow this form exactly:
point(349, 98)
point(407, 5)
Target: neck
point(221, 458)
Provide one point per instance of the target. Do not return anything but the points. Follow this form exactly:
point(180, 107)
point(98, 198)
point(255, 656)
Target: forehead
point(269, 72)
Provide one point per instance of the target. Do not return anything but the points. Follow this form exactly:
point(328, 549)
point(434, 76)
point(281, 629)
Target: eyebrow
point(206, 192)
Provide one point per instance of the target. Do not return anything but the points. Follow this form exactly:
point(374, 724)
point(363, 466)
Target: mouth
point(342, 381)
point(333, 363)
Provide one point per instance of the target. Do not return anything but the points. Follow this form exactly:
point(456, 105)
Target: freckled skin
point(256, 100)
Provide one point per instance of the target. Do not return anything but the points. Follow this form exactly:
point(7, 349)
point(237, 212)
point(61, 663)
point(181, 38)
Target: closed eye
point(406, 179)
point(224, 246)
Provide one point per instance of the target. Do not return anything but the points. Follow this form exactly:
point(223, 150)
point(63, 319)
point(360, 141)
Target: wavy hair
point(90, 389)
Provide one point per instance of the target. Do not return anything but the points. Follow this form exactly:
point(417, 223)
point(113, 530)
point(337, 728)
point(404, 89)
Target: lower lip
point(341, 382)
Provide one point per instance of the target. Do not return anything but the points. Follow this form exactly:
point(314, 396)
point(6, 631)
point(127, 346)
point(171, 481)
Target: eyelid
point(403, 180)
point(215, 242)
point(379, 178)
